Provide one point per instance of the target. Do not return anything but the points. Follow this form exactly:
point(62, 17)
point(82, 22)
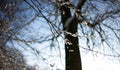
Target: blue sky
point(40, 29)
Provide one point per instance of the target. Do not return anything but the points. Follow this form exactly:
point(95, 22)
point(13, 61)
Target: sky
point(89, 61)
point(99, 62)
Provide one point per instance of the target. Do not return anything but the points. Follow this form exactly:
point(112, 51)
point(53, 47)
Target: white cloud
point(98, 63)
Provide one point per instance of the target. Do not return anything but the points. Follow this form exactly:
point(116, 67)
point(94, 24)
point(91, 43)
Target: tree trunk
point(72, 52)
point(73, 60)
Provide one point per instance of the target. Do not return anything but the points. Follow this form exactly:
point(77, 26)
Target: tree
point(87, 20)
point(11, 59)
point(94, 20)
point(70, 24)
point(11, 25)
point(30, 68)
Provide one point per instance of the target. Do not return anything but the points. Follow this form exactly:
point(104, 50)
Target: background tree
point(11, 59)
point(31, 68)
point(12, 16)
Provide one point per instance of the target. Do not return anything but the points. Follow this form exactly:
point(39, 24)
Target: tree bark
point(72, 52)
